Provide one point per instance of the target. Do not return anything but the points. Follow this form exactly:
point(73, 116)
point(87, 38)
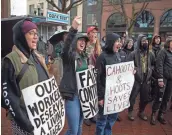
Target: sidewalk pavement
point(125, 127)
point(137, 127)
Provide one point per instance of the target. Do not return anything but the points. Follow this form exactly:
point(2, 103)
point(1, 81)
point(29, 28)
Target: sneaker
point(130, 116)
point(142, 116)
point(153, 119)
point(161, 119)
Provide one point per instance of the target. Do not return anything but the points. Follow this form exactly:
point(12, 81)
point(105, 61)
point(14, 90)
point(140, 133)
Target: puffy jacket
point(135, 55)
point(68, 85)
point(108, 57)
point(164, 62)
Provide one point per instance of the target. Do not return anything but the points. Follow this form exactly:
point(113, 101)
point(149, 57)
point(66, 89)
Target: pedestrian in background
point(155, 48)
point(143, 62)
point(164, 75)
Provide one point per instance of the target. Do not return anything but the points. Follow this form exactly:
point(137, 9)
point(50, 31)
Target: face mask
point(145, 46)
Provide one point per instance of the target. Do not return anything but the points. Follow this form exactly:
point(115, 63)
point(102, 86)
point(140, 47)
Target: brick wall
point(5, 124)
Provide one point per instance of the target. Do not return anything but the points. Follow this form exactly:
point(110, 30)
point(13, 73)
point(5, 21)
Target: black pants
point(162, 97)
point(144, 90)
point(153, 89)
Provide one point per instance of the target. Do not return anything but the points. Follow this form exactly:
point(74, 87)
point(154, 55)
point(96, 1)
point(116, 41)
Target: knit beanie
point(27, 26)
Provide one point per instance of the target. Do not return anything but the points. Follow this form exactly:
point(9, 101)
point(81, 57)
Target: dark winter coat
point(156, 48)
point(135, 55)
point(68, 85)
point(164, 62)
point(108, 57)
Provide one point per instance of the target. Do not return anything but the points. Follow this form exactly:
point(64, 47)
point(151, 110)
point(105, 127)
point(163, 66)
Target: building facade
point(156, 18)
point(5, 8)
point(91, 14)
point(40, 7)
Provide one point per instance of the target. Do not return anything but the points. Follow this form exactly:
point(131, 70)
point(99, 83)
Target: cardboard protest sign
point(87, 91)
point(119, 84)
point(45, 107)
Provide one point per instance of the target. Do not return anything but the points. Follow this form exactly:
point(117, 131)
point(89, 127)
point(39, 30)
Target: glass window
point(41, 5)
point(166, 19)
point(145, 20)
point(116, 20)
point(92, 19)
point(91, 2)
point(31, 9)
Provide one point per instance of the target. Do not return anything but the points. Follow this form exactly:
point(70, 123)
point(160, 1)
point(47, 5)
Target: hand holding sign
point(76, 22)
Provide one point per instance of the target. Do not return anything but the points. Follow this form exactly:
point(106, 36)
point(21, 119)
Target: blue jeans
point(105, 123)
point(74, 116)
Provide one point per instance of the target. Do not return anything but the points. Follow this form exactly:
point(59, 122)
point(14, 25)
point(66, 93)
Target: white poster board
point(119, 84)
point(45, 107)
point(87, 91)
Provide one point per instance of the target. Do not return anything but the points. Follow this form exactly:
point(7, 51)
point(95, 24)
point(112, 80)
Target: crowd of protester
point(32, 61)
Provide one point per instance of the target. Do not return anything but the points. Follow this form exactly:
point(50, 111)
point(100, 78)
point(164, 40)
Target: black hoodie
point(8, 76)
point(19, 38)
point(108, 57)
point(68, 85)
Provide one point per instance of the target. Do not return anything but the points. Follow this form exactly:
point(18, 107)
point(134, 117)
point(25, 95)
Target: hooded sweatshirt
point(107, 57)
point(72, 62)
point(126, 50)
point(143, 61)
point(35, 73)
point(156, 47)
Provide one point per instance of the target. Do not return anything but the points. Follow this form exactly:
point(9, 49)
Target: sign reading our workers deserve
point(119, 84)
point(53, 16)
point(45, 107)
point(87, 91)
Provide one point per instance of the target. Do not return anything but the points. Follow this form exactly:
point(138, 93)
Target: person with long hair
point(164, 79)
point(74, 59)
point(93, 50)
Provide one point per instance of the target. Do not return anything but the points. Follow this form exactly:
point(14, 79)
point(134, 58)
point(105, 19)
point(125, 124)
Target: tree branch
point(79, 3)
point(53, 4)
point(72, 4)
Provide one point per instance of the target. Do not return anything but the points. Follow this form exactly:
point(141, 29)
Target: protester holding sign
point(143, 62)
point(74, 59)
point(108, 57)
point(23, 67)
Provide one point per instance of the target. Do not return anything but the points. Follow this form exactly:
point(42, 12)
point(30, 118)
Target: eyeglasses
point(33, 33)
